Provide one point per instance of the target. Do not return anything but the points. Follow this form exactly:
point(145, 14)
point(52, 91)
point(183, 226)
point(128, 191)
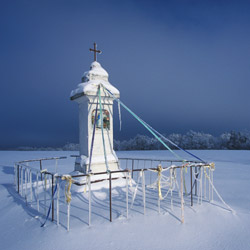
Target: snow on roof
point(91, 80)
point(96, 72)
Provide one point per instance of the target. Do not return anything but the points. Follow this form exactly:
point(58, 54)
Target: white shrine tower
point(86, 95)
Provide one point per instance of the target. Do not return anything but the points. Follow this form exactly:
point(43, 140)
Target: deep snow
point(206, 226)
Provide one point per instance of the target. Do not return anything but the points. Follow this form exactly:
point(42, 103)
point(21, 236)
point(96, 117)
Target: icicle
point(120, 116)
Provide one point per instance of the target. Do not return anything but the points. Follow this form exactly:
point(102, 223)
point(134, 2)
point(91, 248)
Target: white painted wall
point(86, 95)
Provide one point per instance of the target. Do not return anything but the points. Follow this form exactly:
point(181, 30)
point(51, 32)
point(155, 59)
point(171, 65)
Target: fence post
point(68, 212)
point(171, 186)
point(41, 168)
point(195, 169)
point(18, 178)
point(45, 190)
point(25, 175)
point(127, 193)
point(21, 168)
point(182, 199)
point(150, 173)
point(31, 194)
point(57, 203)
point(110, 197)
point(191, 177)
point(212, 180)
point(89, 184)
point(144, 192)
point(56, 166)
point(209, 183)
point(200, 185)
point(205, 184)
point(132, 169)
point(159, 200)
point(202, 169)
point(52, 197)
point(37, 192)
point(15, 176)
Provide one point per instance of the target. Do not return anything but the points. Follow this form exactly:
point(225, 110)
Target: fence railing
point(30, 181)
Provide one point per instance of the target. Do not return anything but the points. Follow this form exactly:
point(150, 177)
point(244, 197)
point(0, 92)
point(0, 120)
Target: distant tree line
point(67, 147)
point(190, 140)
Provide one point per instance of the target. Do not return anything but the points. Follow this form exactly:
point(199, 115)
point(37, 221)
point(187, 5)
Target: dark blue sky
point(180, 65)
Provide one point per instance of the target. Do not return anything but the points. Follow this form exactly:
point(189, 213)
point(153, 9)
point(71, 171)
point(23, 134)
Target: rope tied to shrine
point(44, 171)
point(184, 176)
point(53, 195)
point(159, 171)
point(211, 167)
point(152, 130)
point(101, 117)
point(143, 123)
point(120, 115)
point(86, 183)
point(130, 178)
point(68, 185)
point(93, 137)
point(160, 176)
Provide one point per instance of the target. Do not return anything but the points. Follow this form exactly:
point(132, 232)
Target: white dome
point(91, 80)
point(96, 72)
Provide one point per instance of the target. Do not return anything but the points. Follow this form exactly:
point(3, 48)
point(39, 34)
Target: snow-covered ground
point(207, 226)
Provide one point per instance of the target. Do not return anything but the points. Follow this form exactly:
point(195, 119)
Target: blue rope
point(103, 142)
point(150, 128)
point(175, 144)
point(49, 208)
point(143, 123)
point(93, 138)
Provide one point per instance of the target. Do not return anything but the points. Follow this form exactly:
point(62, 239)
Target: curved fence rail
point(154, 177)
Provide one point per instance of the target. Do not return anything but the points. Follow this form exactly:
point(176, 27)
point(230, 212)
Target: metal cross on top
point(95, 51)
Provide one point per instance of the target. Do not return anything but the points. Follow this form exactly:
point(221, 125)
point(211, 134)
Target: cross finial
point(95, 51)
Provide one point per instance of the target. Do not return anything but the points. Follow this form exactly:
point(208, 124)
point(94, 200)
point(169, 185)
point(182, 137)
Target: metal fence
point(38, 186)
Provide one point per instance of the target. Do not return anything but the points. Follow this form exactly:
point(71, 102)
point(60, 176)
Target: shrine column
point(86, 95)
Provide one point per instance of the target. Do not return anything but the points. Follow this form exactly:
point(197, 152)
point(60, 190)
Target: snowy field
point(207, 226)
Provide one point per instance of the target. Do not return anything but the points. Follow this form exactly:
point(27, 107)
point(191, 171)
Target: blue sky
point(180, 65)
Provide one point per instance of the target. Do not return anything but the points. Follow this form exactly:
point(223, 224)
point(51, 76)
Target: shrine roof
point(91, 80)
